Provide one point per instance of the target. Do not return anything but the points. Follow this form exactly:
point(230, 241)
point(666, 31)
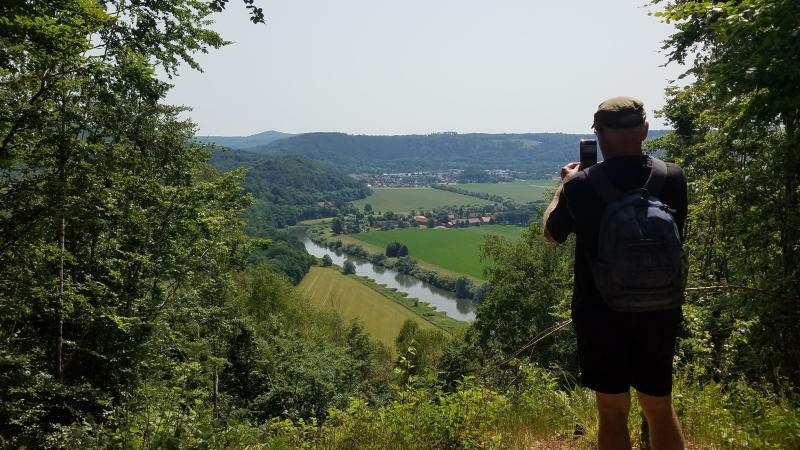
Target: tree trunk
point(59, 312)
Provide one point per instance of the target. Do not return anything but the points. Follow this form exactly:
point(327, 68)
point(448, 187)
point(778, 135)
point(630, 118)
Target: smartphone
point(588, 153)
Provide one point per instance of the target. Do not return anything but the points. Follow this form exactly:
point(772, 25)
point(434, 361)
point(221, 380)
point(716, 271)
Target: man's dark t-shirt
point(580, 209)
point(617, 350)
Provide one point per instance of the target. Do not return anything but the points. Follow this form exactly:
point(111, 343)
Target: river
point(457, 308)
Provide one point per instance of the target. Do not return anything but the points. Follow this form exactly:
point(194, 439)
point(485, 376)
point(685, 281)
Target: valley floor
point(456, 250)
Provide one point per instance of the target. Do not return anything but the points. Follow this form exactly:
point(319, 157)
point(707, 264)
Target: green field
point(403, 200)
point(521, 191)
point(382, 318)
point(455, 249)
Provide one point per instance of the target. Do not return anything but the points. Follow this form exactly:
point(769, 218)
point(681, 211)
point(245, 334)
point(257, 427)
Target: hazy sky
point(420, 66)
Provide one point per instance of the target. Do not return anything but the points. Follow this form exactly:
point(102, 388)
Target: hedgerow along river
point(445, 301)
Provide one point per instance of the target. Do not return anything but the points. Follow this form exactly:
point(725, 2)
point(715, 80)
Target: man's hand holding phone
point(570, 170)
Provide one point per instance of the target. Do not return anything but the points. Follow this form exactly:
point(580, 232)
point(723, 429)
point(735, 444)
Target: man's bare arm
point(567, 172)
point(550, 208)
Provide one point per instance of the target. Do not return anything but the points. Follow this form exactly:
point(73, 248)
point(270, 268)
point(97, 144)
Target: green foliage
point(256, 13)
point(349, 268)
point(290, 188)
point(472, 416)
point(530, 291)
point(381, 154)
point(420, 348)
point(336, 225)
point(463, 286)
point(534, 155)
point(286, 255)
point(396, 249)
point(108, 221)
point(326, 260)
point(736, 415)
point(737, 131)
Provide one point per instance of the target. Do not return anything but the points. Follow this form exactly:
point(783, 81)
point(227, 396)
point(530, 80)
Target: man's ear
point(645, 129)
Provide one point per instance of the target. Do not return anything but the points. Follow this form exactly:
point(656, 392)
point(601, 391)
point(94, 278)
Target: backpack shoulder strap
point(658, 175)
point(601, 184)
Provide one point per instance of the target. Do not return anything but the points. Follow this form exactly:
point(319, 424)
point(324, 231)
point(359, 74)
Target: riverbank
point(353, 298)
point(460, 284)
point(460, 309)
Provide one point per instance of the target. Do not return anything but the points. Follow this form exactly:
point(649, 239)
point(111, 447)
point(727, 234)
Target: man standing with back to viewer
point(619, 349)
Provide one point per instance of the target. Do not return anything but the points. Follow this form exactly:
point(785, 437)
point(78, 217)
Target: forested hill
point(536, 154)
point(288, 188)
point(291, 178)
point(245, 142)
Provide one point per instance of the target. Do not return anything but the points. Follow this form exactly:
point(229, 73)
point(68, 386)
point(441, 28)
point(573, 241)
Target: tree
point(392, 249)
point(463, 287)
point(736, 134)
point(402, 250)
point(481, 292)
point(405, 264)
point(349, 268)
point(531, 287)
point(110, 219)
point(337, 225)
point(354, 226)
point(421, 348)
point(326, 260)
point(368, 208)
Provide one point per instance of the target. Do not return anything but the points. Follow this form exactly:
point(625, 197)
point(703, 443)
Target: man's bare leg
point(665, 430)
point(613, 409)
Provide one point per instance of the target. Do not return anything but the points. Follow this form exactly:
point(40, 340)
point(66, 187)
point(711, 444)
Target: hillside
point(245, 142)
point(292, 179)
point(288, 188)
point(534, 154)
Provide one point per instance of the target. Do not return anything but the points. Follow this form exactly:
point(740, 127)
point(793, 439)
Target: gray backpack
point(640, 264)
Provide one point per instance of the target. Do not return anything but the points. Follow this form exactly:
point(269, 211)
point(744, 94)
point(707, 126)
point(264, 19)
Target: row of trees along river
point(446, 301)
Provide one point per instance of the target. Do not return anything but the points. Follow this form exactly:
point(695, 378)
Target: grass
point(377, 248)
point(354, 298)
point(520, 191)
point(456, 249)
point(437, 318)
point(404, 200)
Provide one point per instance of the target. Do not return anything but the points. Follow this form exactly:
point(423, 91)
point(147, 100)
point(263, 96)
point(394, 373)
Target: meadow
point(381, 317)
point(520, 191)
point(454, 249)
point(404, 200)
